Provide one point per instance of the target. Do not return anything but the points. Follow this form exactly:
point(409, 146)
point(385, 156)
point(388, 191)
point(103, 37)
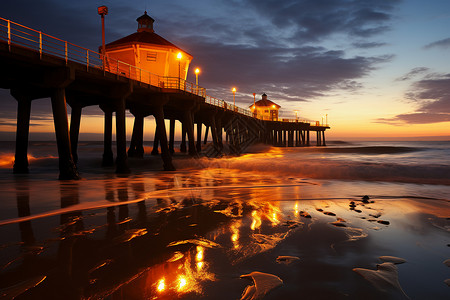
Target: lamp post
point(296, 118)
point(102, 11)
point(255, 114)
point(234, 98)
point(179, 56)
point(197, 71)
point(326, 119)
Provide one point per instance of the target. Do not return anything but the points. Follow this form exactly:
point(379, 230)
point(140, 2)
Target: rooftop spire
point(145, 23)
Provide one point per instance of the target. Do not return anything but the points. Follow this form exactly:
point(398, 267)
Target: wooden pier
point(35, 65)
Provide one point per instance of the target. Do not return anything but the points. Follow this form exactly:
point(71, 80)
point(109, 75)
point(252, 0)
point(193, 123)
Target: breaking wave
point(298, 163)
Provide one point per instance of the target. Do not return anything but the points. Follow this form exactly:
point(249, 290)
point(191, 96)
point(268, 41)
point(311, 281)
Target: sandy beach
point(209, 231)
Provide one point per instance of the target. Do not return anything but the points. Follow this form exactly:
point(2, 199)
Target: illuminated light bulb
point(179, 55)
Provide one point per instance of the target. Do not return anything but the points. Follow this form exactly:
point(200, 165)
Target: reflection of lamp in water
point(256, 222)
point(161, 285)
point(181, 282)
point(235, 234)
point(296, 209)
point(199, 257)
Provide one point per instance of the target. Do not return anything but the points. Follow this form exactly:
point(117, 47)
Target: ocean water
point(295, 215)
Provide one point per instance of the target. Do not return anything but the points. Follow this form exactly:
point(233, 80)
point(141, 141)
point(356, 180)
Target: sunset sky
point(376, 69)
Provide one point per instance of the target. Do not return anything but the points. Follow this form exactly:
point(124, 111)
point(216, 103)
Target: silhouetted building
point(265, 109)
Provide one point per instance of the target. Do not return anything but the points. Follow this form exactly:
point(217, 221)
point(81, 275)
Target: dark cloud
point(416, 118)
point(12, 122)
point(432, 95)
point(413, 73)
point(304, 72)
point(315, 20)
point(368, 45)
point(445, 43)
point(260, 46)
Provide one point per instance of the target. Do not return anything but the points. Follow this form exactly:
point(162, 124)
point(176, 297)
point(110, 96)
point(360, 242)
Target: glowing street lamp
point(234, 97)
point(179, 56)
point(254, 105)
point(326, 119)
point(296, 118)
point(197, 71)
point(103, 11)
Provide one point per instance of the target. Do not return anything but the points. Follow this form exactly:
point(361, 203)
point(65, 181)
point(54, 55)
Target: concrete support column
point(307, 138)
point(155, 143)
point(162, 135)
point(214, 131)
point(172, 136)
point(323, 138)
point(108, 158)
point(206, 134)
point(67, 167)
point(199, 137)
point(75, 120)
point(219, 131)
point(291, 138)
point(137, 138)
point(183, 137)
point(190, 132)
point(22, 133)
point(121, 138)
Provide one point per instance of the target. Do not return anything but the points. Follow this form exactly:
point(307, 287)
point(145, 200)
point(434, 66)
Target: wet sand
point(194, 233)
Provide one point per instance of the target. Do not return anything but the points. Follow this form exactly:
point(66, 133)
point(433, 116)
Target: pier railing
point(19, 35)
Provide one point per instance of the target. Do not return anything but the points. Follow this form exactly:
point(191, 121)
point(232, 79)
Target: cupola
point(145, 23)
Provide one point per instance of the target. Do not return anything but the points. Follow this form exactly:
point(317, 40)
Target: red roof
point(143, 37)
point(265, 102)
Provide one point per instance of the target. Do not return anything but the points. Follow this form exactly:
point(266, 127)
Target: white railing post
point(9, 35)
point(40, 44)
point(117, 63)
point(65, 51)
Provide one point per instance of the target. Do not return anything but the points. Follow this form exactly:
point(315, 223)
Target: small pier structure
point(36, 65)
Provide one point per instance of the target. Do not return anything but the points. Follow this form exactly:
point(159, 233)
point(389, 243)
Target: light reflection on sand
point(216, 223)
